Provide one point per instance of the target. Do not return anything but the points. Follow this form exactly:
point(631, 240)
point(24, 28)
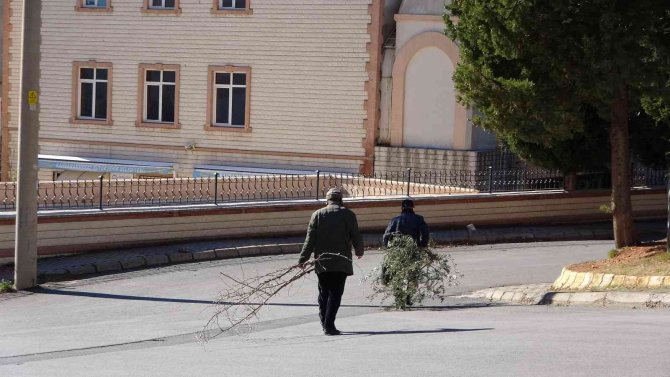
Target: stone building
point(421, 124)
point(155, 88)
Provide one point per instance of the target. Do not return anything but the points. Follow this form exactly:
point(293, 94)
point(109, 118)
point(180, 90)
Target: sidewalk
point(82, 265)
point(542, 294)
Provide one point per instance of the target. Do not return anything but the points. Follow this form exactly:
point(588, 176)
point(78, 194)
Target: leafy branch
point(410, 274)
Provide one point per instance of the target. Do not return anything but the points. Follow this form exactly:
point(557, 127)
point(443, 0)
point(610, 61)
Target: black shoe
point(331, 332)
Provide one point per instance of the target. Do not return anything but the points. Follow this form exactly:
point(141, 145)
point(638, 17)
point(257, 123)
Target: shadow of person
point(409, 332)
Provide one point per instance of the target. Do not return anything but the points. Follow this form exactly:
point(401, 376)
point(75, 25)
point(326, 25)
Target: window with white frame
point(232, 4)
point(92, 103)
point(230, 96)
point(160, 91)
point(94, 3)
point(162, 4)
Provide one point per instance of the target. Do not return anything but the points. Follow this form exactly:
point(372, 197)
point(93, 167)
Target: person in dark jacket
point(331, 233)
point(408, 223)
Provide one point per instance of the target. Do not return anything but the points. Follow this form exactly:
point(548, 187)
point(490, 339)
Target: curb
point(572, 280)
point(530, 294)
point(173, 258)
point(540, 294)
point(523, 234)
point(454, 237)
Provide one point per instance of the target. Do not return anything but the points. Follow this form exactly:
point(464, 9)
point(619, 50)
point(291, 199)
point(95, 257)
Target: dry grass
point(651, 260)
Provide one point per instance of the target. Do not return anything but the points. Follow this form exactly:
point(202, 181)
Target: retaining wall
point(65, 232)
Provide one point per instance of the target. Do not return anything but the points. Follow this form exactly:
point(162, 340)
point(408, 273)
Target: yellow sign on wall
point(32, 97)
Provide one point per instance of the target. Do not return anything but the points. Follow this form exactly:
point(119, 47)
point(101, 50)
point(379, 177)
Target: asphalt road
point(145, 323)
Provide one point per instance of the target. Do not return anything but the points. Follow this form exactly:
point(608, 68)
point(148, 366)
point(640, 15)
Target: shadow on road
point(408, 332)
point(49, 291)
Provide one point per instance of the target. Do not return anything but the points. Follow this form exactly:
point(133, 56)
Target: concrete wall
point(308, 81)
point(81, 231)
point(430, 101)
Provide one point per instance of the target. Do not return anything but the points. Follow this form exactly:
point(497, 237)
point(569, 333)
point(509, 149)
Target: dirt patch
point(649, 260)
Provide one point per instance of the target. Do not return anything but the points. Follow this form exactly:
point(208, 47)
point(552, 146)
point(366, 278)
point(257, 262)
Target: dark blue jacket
point(408, 223)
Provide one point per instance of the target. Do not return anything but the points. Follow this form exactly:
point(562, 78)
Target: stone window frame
point(217, 10)
point(80, 7)
point(76, 68)
point(211, 72)
point(147, 8)
point(141, 85)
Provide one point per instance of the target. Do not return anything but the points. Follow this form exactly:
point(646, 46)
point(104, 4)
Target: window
point(228, 98)
point(159, 96)
point(91, 92)
point(161, 6)
point(95, 3)
point(236, 7)
point(93, 6)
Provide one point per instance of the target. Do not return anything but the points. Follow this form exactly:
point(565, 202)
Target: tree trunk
point(570, 181)
point(622, 211)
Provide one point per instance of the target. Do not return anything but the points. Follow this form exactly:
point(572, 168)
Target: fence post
point(490, 179)
point(409, 179)
point(216, 188)
point(101, 178)
point(318, 176)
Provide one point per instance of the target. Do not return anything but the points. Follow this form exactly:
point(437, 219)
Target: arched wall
point(404, 57)
point(430, 100)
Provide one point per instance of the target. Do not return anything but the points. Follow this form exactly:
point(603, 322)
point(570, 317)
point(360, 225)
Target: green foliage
point(605, 208)
point(590, 149)
point(6, 286)
point(583, 151)
point(650, 139)
point(612, 253)
point(546, 75)
point(411, 274)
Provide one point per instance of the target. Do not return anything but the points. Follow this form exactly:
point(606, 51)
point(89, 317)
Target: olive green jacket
point(332, 230)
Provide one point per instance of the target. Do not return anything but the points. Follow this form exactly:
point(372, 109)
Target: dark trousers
point(331, 288)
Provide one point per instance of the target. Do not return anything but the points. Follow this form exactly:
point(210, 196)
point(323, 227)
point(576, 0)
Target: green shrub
point(612, 253)
point(6, 286)
point(411, 274)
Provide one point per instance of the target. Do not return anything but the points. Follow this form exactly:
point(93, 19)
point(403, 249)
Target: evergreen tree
point(535, 68)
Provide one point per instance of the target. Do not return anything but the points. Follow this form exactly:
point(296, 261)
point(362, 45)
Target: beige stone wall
point(97, 230)
point(2, 11)
point(12, 66)
point(386, 89)
point(393, 159)
point(308, 84)
point(408, 27)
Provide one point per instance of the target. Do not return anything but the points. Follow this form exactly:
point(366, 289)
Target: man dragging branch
point(331, 233)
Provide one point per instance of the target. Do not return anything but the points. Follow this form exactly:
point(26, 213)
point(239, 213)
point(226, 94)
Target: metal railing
point(102, 193)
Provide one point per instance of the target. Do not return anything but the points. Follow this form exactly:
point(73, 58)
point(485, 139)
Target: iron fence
point(102, 193)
